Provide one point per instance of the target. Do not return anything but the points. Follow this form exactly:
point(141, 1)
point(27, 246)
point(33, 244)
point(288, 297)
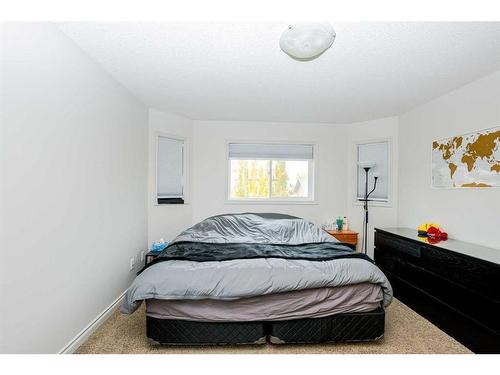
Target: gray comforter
point(185, 277)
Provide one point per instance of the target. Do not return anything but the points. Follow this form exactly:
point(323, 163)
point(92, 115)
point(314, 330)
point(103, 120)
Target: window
point(374, 155)
point(170, 170)
point(270, 172)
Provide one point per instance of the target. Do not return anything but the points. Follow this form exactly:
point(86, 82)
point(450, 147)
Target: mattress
point(243, 256)
point(309, 303)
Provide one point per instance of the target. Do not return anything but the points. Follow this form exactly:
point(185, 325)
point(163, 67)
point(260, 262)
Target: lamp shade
point(367, 164)
point(306, 41)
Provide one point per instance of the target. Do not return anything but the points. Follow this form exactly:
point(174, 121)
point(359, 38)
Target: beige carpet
point(405, 332)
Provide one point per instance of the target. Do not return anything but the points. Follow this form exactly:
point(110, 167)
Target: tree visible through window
point(260, 179)
point(250, 178)
point(280, 180)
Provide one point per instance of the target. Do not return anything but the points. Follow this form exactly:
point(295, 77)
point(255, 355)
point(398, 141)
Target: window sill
point(155, 203)
point(387, 204)
point(267, 203)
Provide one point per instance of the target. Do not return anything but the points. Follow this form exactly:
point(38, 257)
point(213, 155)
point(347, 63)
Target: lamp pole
point(366, 200)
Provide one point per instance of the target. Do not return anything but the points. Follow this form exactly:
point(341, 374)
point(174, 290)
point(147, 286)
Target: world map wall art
point(469, 160)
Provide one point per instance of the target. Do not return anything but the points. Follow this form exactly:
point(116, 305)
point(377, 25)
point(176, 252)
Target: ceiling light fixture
point(307, 41)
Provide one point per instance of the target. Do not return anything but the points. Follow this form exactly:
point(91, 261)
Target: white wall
point(471, 215)
point(384, 214)
point(209, 166)
point(73, 154)
point(336, 173)
point(168, 220)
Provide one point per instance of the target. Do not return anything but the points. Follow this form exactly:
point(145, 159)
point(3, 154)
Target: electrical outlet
point(132, 263)
point(143, 254)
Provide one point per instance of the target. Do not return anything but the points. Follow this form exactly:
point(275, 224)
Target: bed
point(257, 278)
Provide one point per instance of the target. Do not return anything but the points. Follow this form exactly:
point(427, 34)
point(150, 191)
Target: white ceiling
point(236, 71)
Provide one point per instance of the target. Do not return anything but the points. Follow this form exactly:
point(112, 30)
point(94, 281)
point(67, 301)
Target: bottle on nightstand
point(345, 224)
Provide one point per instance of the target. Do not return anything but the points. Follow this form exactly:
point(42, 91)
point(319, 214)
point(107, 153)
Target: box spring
point(347, 327)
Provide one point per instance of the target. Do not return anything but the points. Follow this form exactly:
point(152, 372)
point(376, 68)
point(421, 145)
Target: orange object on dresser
point(345, 236)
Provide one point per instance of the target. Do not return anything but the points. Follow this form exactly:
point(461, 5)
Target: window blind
point(170, 168)
point(270, 151)
point(378, 154)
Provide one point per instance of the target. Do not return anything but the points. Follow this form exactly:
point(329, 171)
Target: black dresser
point(453, 284)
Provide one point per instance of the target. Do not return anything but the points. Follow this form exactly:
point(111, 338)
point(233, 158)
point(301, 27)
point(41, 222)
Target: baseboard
point(84, 334)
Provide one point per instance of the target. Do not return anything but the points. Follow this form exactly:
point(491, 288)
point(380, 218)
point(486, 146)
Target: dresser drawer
point(469, 332)
point(344, 236)
point(347, 238)
point(401, 246)
point(472, 304)
point(471, 273)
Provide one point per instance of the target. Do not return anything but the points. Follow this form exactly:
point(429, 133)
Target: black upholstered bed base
point(349, 327)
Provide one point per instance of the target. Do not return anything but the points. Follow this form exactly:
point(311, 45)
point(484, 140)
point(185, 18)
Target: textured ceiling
point(236, 71)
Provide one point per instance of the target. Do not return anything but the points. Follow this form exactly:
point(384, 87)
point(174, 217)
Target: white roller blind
point(270, 151)
point(378, 154)
point(170, 168)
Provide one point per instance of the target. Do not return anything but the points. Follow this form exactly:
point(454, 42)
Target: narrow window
point(374, 157)
point(170, 170)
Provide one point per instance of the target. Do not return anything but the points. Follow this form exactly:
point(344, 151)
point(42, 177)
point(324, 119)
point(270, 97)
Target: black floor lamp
point(367, 166)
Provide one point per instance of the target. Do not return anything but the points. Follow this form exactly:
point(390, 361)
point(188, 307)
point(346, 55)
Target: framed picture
point(470, 160)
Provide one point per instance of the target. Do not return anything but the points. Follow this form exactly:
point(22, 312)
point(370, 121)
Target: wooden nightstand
point(345, 236)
